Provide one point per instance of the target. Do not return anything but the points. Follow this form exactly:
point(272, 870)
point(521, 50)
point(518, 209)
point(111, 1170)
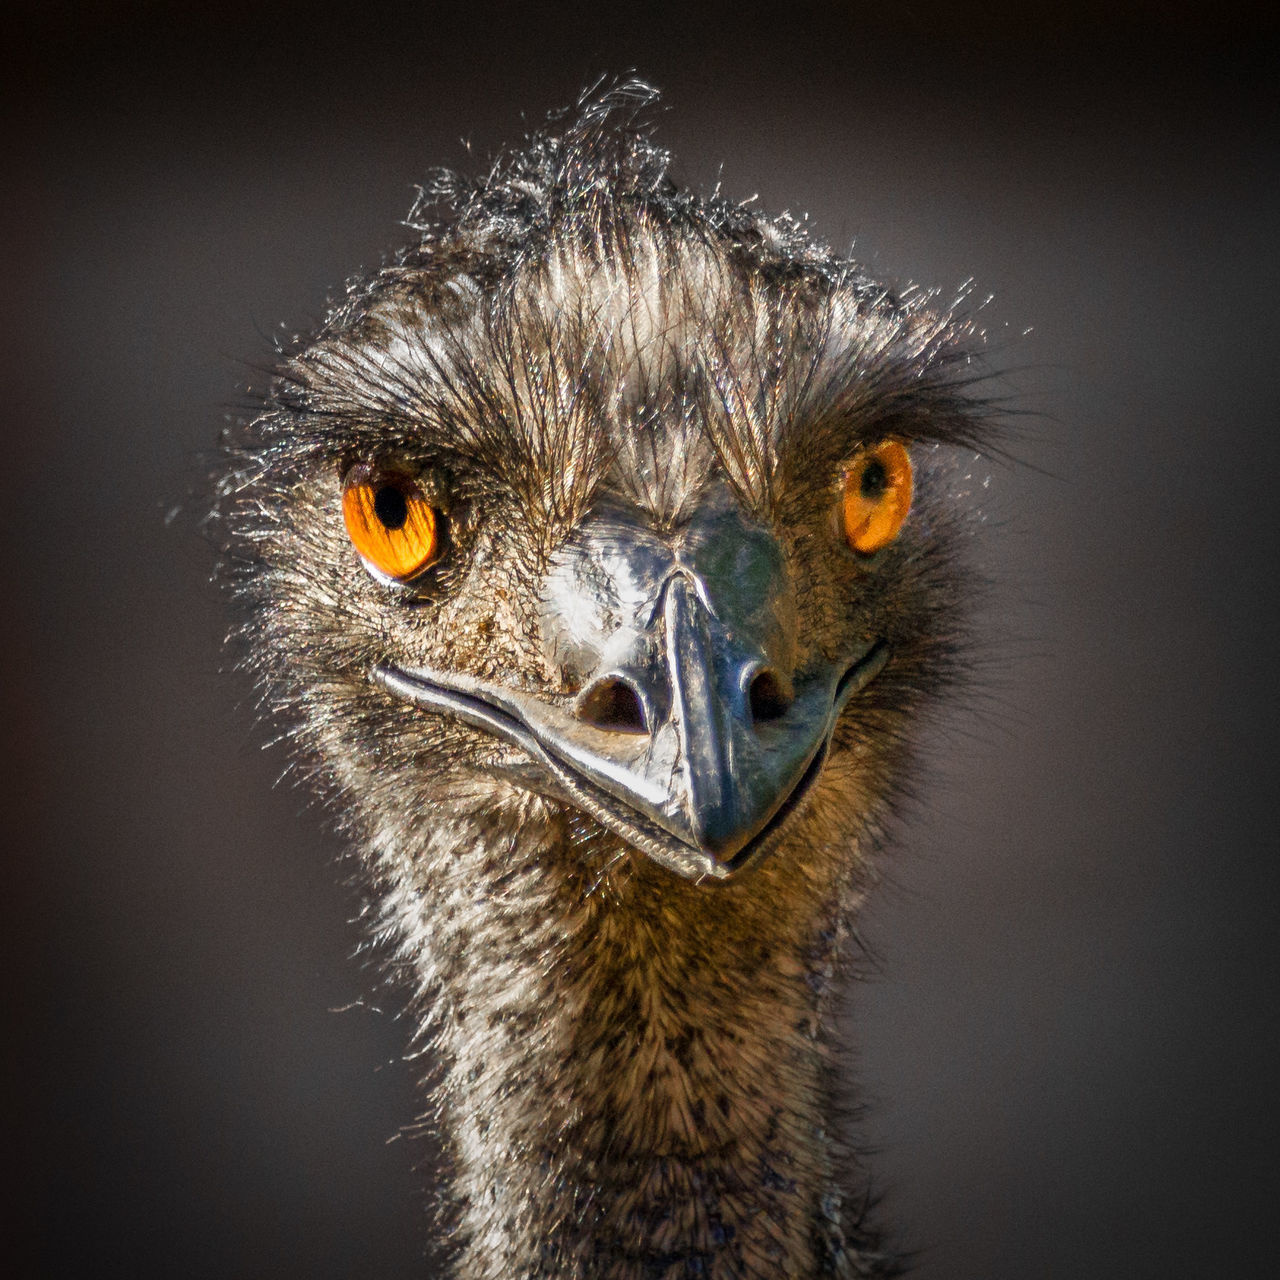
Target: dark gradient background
point(1069, 1048)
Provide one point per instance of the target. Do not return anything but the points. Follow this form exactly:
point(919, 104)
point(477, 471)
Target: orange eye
point(877, 496)
point(390, 523)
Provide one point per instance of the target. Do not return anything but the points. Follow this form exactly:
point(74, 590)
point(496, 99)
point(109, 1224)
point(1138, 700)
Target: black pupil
point(875, 479)
point(390, 507)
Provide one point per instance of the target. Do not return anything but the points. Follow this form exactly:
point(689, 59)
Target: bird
point(600, 555)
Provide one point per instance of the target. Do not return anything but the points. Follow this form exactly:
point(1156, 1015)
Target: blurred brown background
point(1070, 1048)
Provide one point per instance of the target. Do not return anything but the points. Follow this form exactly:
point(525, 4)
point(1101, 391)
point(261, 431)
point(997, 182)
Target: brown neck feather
point(634, 1068)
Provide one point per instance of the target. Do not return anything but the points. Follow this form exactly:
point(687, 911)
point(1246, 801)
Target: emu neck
point(635, 1078)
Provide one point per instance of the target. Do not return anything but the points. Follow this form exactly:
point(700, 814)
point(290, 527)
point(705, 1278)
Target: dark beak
point(693, 736)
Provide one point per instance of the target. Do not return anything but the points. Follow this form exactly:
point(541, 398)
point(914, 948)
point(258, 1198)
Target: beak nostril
point(769, 696)
point(613, 704)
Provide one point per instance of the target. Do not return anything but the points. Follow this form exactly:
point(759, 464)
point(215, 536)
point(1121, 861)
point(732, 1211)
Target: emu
point(599, 554)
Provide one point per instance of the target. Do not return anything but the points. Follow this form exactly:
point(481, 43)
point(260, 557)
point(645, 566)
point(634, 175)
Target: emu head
point(611, 496)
